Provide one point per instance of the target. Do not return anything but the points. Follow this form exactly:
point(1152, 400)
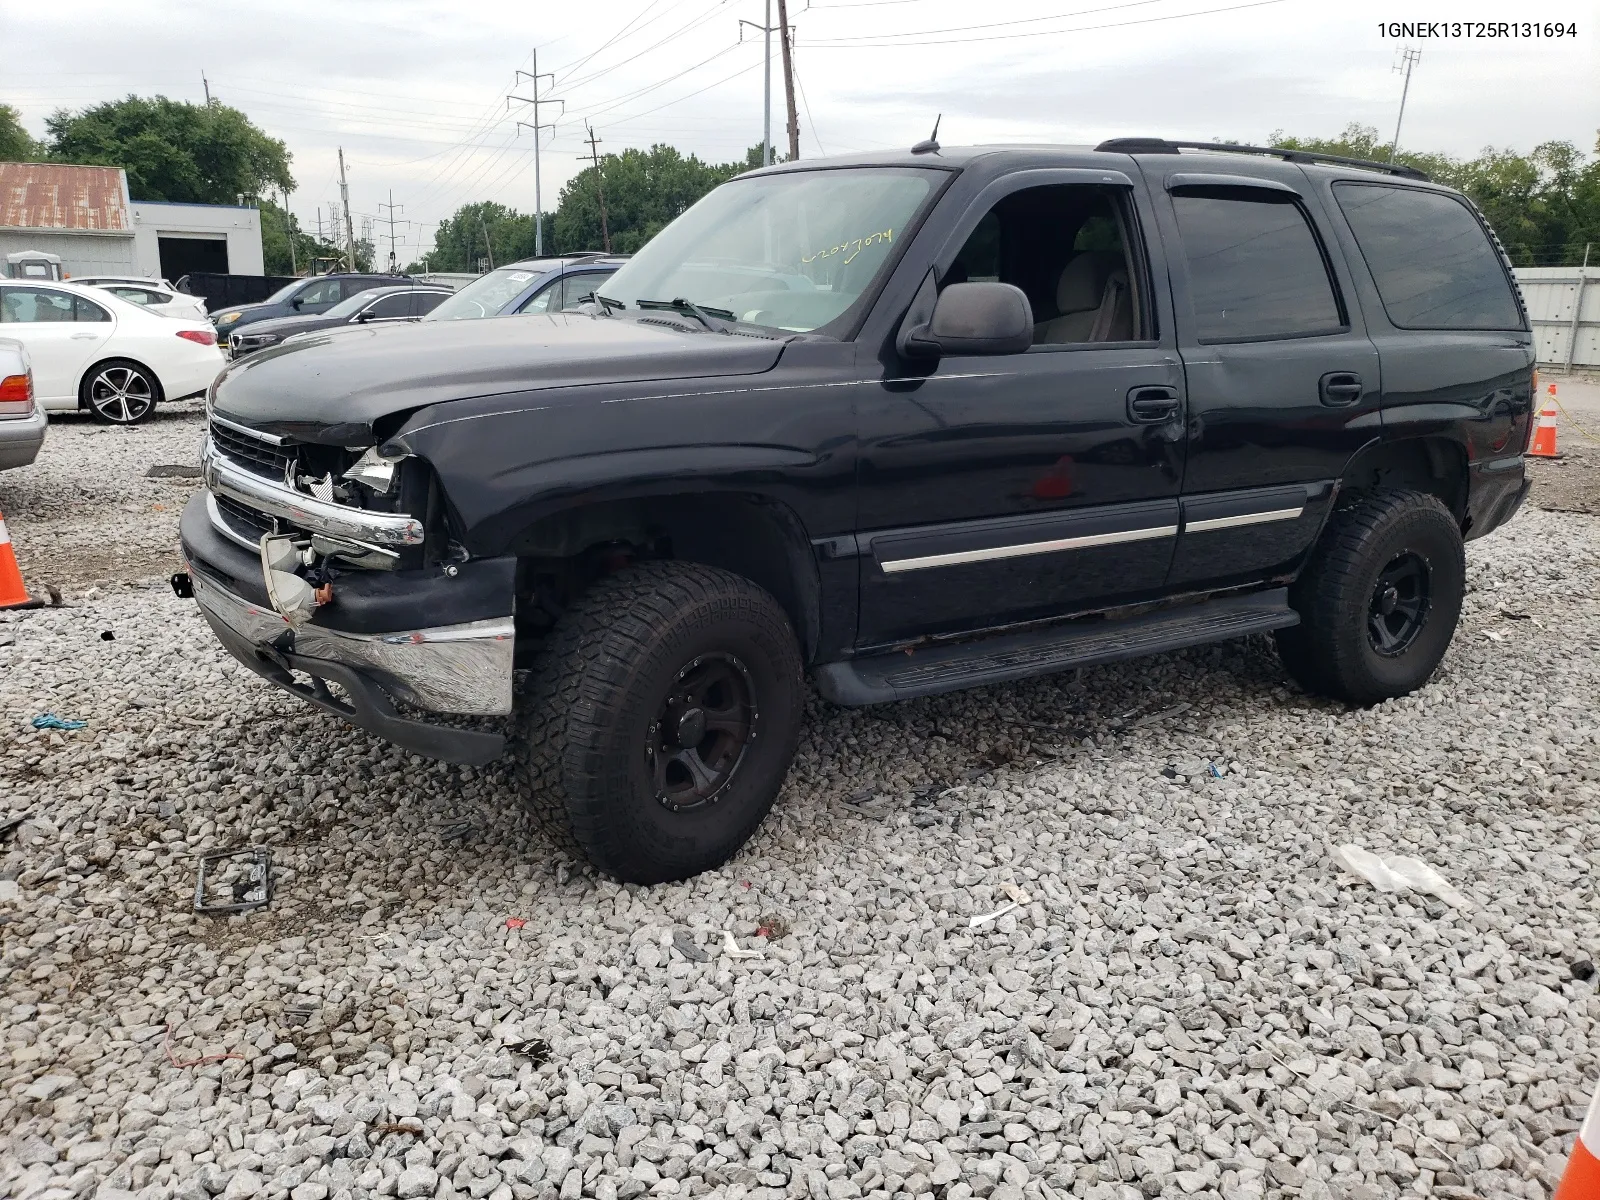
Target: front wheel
point(1379, 600)
point(666, 711)
point(120, 392)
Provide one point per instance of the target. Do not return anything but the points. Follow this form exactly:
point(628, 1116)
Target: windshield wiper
point(690, 309)
point(605, 302)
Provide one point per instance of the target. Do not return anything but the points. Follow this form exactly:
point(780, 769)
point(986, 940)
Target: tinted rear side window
point(1434, 265)
point(1255, 268)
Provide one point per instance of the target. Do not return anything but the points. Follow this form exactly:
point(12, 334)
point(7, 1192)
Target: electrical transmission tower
point(392, 207)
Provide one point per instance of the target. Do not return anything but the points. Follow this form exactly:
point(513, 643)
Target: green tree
point(1544, 206)
point(279, 227)
point(173, 150)
point(16, 143)
point(460, 240)
point(645, 189)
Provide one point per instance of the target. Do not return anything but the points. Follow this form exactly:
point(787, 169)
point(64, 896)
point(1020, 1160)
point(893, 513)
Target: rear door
point(1282, 378)
point(394, 307)
point(62, 333)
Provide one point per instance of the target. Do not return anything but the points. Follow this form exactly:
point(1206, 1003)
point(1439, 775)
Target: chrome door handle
point(84, 336)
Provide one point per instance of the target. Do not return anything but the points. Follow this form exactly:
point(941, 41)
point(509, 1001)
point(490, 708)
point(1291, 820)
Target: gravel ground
point(87, 472)
point(1189, 998)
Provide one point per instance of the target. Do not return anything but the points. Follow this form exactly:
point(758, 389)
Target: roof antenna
point(931, 144)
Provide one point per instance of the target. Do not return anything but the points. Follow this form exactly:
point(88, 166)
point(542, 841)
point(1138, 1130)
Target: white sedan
point(93, 350)
point(155, 294)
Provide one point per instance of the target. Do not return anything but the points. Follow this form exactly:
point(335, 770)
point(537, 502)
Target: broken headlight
point(375, 470)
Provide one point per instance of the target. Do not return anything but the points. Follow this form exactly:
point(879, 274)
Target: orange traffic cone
point(1544, 432)
point(12, 593)
point(1581, 1180)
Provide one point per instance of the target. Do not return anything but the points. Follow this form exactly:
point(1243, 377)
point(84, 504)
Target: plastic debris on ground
point(1397, 873)
point(683, 942)
point(51, 721)
point(537, 1050)
point(515, 922)
point(234, 881)
point(732, 950)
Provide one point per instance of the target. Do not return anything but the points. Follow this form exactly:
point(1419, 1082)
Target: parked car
point(913, 422)
point(155, 294)
point(534, 285)
point(402, 302)
point(302, 297)
point(93, 350)
point(22, 418)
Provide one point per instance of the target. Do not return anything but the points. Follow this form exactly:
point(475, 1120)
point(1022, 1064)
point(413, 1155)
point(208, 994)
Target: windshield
point(791, 251)
point(486, 295)
point(350, 307)
point(283, 293)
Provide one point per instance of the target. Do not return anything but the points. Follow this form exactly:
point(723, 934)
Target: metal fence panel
point(1564, 306)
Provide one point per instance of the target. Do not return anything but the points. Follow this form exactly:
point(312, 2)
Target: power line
point(861, 43)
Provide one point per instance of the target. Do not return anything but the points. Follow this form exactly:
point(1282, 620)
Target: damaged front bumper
point(437, 642)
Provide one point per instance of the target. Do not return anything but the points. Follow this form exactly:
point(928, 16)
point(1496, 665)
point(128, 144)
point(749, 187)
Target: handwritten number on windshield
point(851, 248)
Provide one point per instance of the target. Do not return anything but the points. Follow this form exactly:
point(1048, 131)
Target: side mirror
point(363, 317)
point(971, 318)
point(296, 303)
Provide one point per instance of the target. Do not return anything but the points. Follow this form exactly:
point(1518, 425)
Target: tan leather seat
point(1092, 301)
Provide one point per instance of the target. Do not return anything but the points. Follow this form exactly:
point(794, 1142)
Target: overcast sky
point(416, 92)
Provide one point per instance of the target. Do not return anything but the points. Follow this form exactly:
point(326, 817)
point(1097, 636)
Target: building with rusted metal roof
point(80, 213)
point(84, 215)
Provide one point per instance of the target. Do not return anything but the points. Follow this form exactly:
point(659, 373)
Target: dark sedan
point(381, 304)
point(544, 285)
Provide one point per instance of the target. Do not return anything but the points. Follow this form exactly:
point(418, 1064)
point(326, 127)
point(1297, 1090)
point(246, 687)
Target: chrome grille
point(253, 454)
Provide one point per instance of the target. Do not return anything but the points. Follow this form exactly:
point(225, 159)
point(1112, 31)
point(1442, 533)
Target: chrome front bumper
point(446, 669)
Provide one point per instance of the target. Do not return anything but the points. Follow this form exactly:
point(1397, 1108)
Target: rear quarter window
point(1430, 257)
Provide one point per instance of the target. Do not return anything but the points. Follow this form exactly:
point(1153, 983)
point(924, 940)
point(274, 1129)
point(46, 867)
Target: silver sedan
point(22, 419)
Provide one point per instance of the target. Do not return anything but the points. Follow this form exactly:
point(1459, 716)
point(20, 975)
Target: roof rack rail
point(1143, 145)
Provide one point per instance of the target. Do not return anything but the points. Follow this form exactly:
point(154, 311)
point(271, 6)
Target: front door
point(997, 489)
point(61, 333)
point(1282, 378)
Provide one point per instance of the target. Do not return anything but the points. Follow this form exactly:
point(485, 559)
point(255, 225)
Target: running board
point(999, 658)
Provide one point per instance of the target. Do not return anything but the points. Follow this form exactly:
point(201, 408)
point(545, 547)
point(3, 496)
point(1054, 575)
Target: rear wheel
point(120, 392)
point(1379, 600)
point(666, 711)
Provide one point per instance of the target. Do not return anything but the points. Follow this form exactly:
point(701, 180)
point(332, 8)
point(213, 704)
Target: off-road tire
point(1331, 652)
point(598, 684)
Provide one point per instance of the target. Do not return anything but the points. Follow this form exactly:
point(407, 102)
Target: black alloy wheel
point(699, 736)
point(1399, 607)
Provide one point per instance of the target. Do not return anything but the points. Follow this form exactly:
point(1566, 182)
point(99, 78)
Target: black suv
point(910, 422)
point(314, 294)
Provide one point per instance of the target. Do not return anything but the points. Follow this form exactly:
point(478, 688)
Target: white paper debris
point(731, 947)
point(974, 922)
point(1398, 873)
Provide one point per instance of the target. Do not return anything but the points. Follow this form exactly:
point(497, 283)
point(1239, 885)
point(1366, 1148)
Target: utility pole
point(206, 83)
point(288, 227)
point(788, 78)
point(483, 225)
point(1408, 59)
point(766, 85)
point(349, 229)
point(536, 125)
point(599, 184)
point(391, 206)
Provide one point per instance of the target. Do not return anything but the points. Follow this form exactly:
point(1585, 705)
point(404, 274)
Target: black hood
point(331, 387)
